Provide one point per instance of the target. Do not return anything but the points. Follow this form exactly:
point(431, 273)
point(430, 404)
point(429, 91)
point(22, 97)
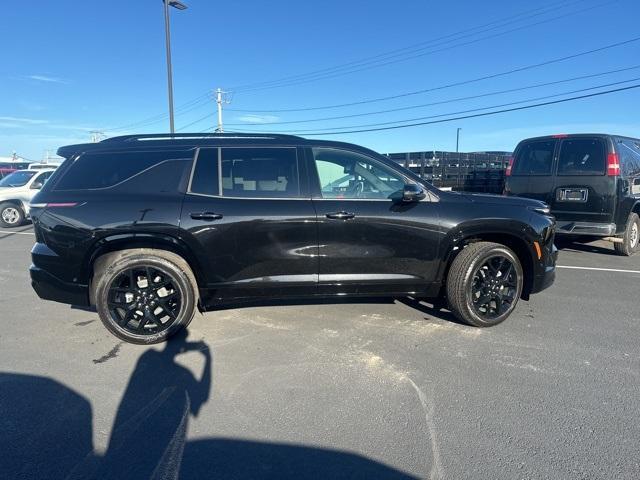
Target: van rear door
point(583, 191)
point(532, 170)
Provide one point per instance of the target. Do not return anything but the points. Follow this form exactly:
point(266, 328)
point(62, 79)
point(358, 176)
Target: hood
point(10, 191)
point(503, 200)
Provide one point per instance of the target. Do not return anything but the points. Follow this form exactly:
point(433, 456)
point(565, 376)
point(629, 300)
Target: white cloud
point(46, 78)
point(251, 118)
point(27, 121)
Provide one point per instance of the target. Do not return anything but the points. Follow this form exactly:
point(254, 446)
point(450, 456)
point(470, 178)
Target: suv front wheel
point(631, 239)
point(484, 284)
point(144, 296)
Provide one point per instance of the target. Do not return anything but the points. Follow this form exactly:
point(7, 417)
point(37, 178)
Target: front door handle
point(342, 215)
point(209, 216)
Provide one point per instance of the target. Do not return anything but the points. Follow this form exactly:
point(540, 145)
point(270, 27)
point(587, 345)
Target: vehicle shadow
point(435, 309)
point(584, 245)
point(46, 432)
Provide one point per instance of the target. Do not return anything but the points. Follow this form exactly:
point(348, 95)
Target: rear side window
point(107, 169)
point(534, 158)
point(582, 156)
point(260, 172)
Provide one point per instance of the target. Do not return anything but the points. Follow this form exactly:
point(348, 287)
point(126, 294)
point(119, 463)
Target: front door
point(248, 220)
point(369, 241)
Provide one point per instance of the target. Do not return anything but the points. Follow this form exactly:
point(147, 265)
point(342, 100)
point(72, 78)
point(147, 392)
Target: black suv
point(150, 228)
point(590, 181)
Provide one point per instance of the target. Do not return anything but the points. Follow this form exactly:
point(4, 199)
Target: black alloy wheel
point(144, 300)
point(484, 283)
point(494, 287)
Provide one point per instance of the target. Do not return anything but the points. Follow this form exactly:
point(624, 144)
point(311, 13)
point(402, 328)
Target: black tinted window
point(205, 176)
point(534, 158)
point(260, 172)
point(103, 170)
point(581, 156)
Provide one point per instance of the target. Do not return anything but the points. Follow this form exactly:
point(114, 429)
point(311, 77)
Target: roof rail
point(186, 136)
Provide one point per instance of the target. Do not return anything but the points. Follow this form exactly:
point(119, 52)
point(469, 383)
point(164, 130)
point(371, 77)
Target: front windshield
point(17, 179)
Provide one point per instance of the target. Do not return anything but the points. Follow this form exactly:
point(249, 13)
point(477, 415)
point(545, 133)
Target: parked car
point(16, 191)
point(590, 181)
point(149, 228)
point(42, 166)
point(6, 171)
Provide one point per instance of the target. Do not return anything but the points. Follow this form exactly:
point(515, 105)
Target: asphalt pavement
point(367, 389)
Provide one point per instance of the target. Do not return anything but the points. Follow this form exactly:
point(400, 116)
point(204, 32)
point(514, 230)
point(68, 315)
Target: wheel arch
point(117, 243)
point(513, 239)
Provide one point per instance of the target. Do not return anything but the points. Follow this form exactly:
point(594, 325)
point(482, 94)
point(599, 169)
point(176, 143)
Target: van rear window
point(534, 158)
point(581, 156)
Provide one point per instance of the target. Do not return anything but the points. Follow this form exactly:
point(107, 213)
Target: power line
point(387, 61)
point(410, 48)
point(452, 100)
point(449, 85)
point(393, 125)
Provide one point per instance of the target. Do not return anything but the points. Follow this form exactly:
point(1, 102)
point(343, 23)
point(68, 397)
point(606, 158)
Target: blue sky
point(69, 67)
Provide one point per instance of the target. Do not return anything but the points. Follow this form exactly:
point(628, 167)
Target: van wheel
point(144, 296)
point(11, 215)
point(484, 284)
point(631, 239)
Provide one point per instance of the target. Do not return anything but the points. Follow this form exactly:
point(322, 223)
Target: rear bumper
point(546, 273)
point(49, 287)
point(585, 228)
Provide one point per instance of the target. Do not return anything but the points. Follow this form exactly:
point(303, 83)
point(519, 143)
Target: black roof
point(191, 140)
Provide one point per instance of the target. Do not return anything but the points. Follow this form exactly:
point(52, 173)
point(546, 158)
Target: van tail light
point(613, 165)
point(509, 167)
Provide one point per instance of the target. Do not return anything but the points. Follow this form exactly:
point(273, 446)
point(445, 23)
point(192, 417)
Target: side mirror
point(413, 193)
point(36, 185)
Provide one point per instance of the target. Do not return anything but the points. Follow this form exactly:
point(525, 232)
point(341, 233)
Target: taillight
point(613, 165)
point(54, 205)
point(509, 167)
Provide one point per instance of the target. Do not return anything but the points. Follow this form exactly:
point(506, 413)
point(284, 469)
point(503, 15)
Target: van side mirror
point(36, 185)
point(413, 193)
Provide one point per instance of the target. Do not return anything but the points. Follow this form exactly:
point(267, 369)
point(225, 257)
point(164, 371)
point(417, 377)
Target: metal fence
point(472, 172)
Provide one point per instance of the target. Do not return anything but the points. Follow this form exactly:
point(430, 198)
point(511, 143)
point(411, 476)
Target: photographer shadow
point(46, 432)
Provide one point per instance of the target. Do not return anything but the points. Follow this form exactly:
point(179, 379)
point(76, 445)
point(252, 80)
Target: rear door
point(532, 170)
point(583, 191)
point(248, 218)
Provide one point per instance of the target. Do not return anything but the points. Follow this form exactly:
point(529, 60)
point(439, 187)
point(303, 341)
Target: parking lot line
point(599, 269)
point(17, 233)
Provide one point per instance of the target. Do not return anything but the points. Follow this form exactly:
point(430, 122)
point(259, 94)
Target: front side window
point(534, 158)
point(345, 174)
point(17, 179)
point(582, 156)
point(260, 172)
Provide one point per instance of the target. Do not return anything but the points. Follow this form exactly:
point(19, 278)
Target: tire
point(132, 285)
point(471, 280)
point(631, 239)
point(11, 215)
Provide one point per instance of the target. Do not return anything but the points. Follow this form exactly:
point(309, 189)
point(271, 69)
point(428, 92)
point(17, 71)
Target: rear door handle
point(341, 215)
point(209, 216)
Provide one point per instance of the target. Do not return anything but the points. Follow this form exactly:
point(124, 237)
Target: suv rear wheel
point(631, 239)
point(11, 215)
point(484, 284)
point(144, 296)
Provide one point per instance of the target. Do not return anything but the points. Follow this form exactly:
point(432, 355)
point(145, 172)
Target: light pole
point(180, 6)
point(458, 139)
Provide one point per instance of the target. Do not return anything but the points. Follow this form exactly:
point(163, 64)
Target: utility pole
point(96, 136)
point(219, 101)
point(458, 139)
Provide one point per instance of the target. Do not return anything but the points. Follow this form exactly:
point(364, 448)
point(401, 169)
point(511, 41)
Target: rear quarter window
point(582, 156)
point(99, 170)
point(534, 158)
